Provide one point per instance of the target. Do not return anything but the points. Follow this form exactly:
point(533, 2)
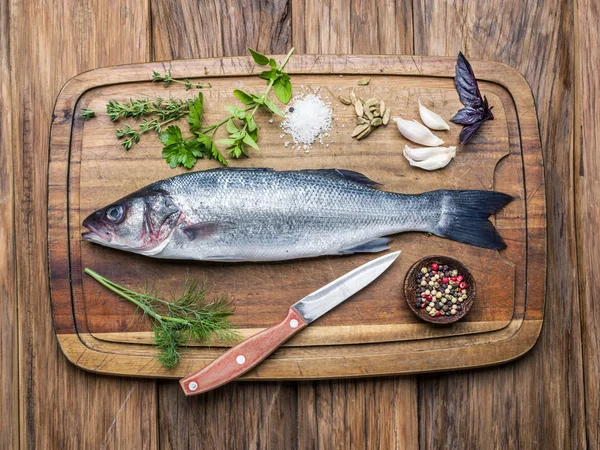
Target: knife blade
point(250, 352)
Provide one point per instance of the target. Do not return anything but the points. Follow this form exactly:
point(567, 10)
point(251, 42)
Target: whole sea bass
point(266, 215)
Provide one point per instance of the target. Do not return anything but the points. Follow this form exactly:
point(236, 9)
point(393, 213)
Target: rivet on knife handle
point(243, 357)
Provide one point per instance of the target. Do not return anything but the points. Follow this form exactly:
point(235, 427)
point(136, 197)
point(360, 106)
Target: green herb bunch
point(240, 124)
point(187, 317)
point(185, 151)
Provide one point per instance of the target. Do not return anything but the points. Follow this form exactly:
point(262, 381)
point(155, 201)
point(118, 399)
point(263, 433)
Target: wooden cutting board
point(374, 333)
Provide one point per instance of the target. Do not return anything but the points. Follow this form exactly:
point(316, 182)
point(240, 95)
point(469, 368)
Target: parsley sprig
point(189, 316)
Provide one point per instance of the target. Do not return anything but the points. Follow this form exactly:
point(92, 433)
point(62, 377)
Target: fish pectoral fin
point(206, 229)
point(372, 246)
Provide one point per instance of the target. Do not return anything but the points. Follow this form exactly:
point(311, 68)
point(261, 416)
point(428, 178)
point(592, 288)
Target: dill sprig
point(167, 79)
point(187, 317)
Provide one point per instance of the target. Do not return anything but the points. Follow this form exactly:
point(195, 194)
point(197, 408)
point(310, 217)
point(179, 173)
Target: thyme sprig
point(167, 79)
point(187, 317)
point(164, 112)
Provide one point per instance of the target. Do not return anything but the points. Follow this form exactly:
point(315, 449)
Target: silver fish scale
point(258, 215)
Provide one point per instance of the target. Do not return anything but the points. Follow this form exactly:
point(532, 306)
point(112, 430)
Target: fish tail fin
point(465, 217)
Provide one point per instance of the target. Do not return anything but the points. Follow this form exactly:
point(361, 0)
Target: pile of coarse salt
point(307, 120)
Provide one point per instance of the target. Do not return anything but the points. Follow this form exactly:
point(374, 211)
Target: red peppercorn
point(460, 278)
point(453, 278)
point(437, 313)
point(423, 295)
point(463, 285)
point(434, 266)
point(429, 297)
point(422, 305)
point(445, 280)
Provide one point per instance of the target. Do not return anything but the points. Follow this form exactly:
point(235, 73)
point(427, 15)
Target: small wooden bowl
point(410, 288)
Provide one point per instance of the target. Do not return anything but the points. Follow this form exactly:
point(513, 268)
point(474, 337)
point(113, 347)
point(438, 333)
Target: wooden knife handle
point(243, 357)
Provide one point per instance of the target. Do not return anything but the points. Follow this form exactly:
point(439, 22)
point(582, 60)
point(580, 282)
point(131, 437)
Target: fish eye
point(114, 213)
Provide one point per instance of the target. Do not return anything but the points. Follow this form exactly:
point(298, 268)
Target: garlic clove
point(431, 119)
point(421, 154)
point(414, 131)
point(432, 163)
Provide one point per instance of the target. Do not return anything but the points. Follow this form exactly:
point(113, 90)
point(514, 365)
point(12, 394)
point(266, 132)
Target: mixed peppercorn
point(441, 290)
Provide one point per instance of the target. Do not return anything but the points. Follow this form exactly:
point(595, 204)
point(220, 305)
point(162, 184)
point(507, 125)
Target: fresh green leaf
point(253, 134)
point(273, 107)
point(259, 58)
point(216, 154)
point(236, 112)
point(231, 128)
point(251, 124)
point(251, 142)
point(268, 74)
point(178, 151)
point(195, 113)
point(273, 63)
point(227, 142)
point(243, 97)
point(283, 90)
point(171, 136)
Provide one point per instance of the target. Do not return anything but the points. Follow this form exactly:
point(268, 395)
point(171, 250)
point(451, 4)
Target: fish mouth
point(94, 235)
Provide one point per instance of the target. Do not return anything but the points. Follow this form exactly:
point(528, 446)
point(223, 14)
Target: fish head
point(141, 222)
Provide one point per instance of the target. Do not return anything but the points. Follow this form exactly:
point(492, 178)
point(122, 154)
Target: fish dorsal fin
point(350, 175)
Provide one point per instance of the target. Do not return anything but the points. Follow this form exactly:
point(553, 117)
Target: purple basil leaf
point(487, 110)
point(466, 83)
point(468, 132)
point(468, 116)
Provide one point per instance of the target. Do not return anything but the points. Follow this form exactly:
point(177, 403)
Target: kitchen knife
point(247, 354)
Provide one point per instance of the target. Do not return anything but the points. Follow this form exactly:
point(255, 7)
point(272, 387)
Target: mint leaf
point(268, 74)
point(250, 142)
point(236, 112)
point(259, 58)
point(231, 128)
point(250, 122)
point(273, 107)
point(243, 97)
point(283, 90)
point(273, 63)
point(195, 115)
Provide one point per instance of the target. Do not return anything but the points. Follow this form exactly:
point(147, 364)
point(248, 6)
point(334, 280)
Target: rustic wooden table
point(547, 399)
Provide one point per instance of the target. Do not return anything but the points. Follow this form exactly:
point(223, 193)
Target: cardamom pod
point(365, 133)
point(359, 129)
point(371, 102)
point(386, 115)
point(369, 114)
point(359, 108)
point(364, 81)
point(377, 113)
point(382, 105)
point(353, 97)
point(345, 100)
point(376, 122)
point(362, 120)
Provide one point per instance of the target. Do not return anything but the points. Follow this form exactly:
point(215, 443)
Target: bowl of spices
point(439, 289)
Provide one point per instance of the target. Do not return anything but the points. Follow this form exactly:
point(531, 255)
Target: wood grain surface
point(586, 157)
point(547, 399)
